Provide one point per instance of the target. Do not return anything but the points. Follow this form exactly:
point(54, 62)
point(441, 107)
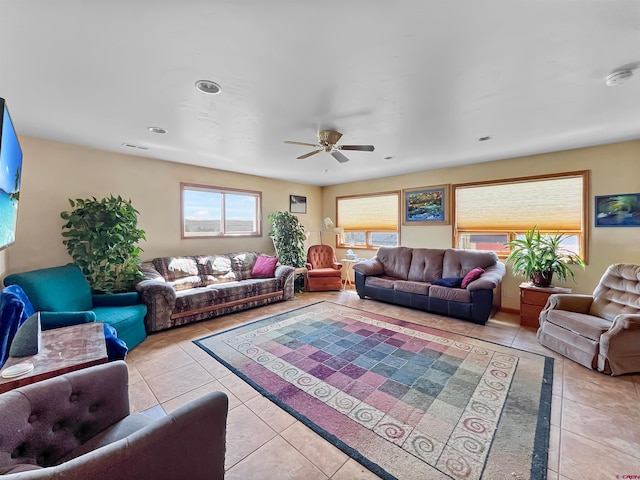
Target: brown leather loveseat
point(433, 279)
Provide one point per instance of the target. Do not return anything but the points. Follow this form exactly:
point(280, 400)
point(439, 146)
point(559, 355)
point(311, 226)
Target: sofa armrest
point(116, 299)
point(490, 279)
point(188, 443)
point(158, 296)
point(620, 343)
point(51, 320)
point(336, 265)
point(369, 267)
point(571, 302)
point(285, 275)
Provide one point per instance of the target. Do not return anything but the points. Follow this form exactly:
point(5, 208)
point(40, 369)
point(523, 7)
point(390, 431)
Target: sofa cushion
point(395, 261)
point(474, 274)
point(265, 267)
point(213, 265)
point(420, 288)
point(175, 268)
point(617, 293)
point(584, 325)
point(380, 282)
point(242, 263)
point(450, 294)
point(426, 264)
point(186, 283)
point(457, 263)
point(55, 289)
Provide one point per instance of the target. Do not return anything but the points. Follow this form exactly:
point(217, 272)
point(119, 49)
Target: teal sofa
point(64, 293)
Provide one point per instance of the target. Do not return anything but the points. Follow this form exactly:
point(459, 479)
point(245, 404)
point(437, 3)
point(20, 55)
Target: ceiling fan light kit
point(327, 140)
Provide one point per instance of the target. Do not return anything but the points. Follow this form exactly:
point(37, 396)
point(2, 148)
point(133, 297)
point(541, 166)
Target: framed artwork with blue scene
point(426, 205)
point(621, 210)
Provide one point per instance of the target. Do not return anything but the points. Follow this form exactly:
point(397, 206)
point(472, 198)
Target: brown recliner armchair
point(600, 331)
point(77, 426)
point(324, 271)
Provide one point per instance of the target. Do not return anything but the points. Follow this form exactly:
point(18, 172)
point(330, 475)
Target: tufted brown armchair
point(324, 269)
point(77, 426)
point(600, 331)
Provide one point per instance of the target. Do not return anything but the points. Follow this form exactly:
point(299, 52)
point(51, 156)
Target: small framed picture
point(297, 204)
point(426, 206)
point(622, 210)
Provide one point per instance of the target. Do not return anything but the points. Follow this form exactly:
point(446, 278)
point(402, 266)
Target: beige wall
point(54, 172)
point(614, 169)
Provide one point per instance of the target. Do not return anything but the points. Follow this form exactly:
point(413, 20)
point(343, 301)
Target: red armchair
point(324, 270)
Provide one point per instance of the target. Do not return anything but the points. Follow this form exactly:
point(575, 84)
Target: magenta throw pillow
point(265, 267)
point(471, 276)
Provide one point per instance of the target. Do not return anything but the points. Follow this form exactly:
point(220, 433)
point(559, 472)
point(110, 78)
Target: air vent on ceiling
point(131, 145)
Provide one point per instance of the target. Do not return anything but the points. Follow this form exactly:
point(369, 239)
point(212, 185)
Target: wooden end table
point(305, 275)
point(63, 350)
point(533, 300)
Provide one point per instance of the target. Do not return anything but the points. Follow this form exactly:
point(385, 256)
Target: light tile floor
point(595, 425)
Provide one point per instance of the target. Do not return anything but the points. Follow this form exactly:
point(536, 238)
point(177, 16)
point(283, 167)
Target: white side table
point(349, 271)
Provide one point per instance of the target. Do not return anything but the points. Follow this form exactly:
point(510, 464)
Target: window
point(369, 221)
point(219, 212)
point(487, 215)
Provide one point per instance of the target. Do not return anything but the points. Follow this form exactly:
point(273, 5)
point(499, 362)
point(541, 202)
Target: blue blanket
point(15, 308)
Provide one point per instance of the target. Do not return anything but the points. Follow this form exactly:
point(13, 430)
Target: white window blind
point(553, 204)
point(369, 213)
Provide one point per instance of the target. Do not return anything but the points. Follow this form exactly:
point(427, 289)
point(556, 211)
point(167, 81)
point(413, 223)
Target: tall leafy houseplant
point(101, 237)
point(539, 256)
point(288, 238)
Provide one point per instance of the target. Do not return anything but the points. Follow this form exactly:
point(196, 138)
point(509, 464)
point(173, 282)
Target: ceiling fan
point(327, 140)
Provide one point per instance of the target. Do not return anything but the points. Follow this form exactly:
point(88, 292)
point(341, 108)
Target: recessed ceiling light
point(484, 139)
point(208, 87)
point(327, 170)
point(157, 130)
point(390, 157)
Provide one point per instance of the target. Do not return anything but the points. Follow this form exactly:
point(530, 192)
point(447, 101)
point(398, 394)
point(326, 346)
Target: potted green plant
point(539, 256)
point(288, 238)
point(101, 237)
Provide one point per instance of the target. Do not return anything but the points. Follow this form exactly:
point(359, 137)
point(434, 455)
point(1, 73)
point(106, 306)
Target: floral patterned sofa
point(181, 290)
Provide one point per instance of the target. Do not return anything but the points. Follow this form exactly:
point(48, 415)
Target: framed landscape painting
point(622, 210)
point(426, 206)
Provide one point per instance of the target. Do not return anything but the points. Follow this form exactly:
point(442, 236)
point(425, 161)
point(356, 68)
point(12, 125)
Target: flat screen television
point(10, 175)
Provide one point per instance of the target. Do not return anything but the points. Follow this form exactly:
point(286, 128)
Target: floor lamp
point(327, 226)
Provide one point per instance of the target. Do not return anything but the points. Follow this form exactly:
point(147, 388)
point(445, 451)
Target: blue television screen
point(10, 175)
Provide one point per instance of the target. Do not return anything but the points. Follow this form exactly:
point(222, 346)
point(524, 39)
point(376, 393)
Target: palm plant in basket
point(539, 256)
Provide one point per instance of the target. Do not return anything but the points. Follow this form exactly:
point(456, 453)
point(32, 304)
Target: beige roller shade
point(370, 213)
point(551, 204)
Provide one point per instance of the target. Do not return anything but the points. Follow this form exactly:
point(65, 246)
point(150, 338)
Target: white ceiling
point(421, 80)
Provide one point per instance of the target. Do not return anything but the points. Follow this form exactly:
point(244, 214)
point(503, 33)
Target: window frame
point(368, 245)
point(257, 195)
point(583, 233)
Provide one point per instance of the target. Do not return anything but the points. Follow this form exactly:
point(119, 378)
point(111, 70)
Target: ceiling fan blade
point(363, 148)
point(301, 143)
point(308, 154)
point(339, 156)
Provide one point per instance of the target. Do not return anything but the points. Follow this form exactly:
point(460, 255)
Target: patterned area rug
point(406, 401)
